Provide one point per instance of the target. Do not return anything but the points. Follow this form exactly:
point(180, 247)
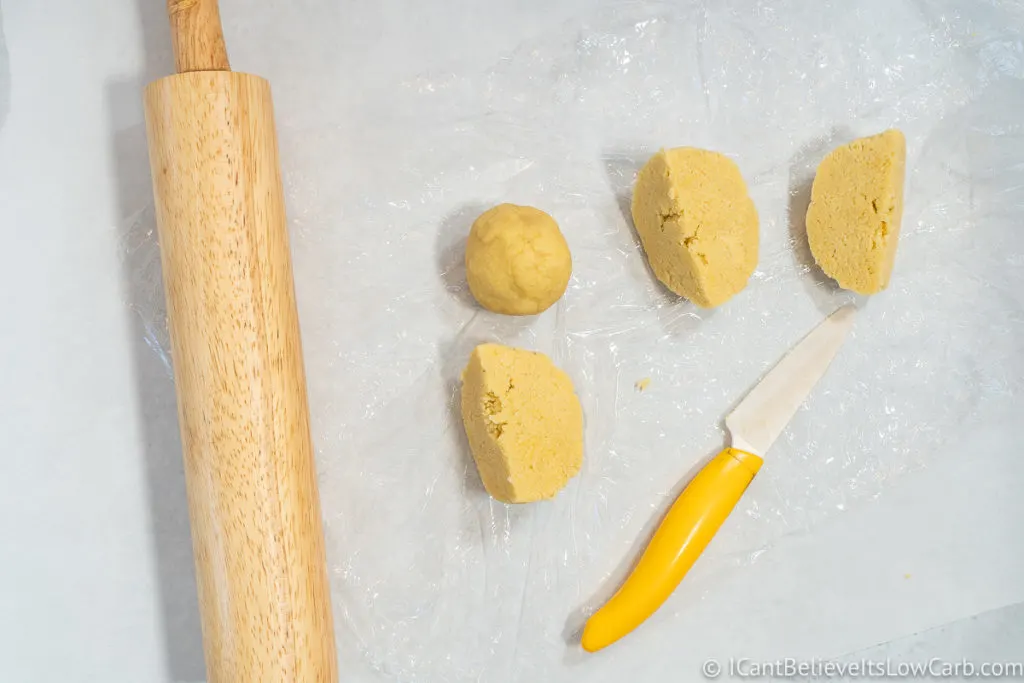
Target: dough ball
point(517, 261)
point(524, 423)
point(853, 221)
point(697, 224)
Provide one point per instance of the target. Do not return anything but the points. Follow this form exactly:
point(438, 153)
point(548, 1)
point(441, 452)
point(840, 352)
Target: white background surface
point(96, 580)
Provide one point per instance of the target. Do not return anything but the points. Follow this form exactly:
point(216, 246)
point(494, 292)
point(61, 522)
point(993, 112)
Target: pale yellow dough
point(524, 423)
point(853, 221)
point(697, 223)
point(517, 261)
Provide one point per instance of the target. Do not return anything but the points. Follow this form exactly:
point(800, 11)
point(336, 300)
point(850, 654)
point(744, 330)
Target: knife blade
point(766, 410)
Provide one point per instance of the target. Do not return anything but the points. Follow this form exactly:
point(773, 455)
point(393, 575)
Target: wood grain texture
point(196, 36)
point(242, 404)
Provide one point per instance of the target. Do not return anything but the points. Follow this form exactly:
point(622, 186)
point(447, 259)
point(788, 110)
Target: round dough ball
point(697, 224)
point(517, 261)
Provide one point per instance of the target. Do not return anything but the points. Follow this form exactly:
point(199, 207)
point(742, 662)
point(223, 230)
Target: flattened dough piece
point(853, 221)
point(524, 423)
point(697, 223)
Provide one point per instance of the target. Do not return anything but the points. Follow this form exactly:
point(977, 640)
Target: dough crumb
point(517, 261)
point(856, 209)
point(698, 225)
point(524, 423)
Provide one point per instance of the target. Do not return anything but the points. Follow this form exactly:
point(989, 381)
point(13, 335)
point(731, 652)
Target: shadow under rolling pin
point(249, 468)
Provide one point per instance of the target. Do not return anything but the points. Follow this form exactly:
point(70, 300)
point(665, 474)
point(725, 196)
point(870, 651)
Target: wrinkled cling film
point(431, 579)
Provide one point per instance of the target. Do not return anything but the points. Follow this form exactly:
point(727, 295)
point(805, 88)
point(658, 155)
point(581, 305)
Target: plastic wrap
point(432, 580)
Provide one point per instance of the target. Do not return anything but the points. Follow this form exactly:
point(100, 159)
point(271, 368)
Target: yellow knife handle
point(687, 529)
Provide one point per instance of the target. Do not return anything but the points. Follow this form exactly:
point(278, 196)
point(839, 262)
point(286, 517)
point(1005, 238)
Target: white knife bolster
point(740, 444)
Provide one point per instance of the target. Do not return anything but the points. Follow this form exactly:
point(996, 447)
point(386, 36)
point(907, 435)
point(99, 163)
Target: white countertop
point(96, 572)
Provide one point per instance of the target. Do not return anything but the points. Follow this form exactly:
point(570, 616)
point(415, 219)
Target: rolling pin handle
point(196, 36)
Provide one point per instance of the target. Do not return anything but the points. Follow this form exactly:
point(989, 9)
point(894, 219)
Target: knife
point(708, 499)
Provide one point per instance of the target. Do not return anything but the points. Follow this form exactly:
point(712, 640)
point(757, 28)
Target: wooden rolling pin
point(249, 469)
